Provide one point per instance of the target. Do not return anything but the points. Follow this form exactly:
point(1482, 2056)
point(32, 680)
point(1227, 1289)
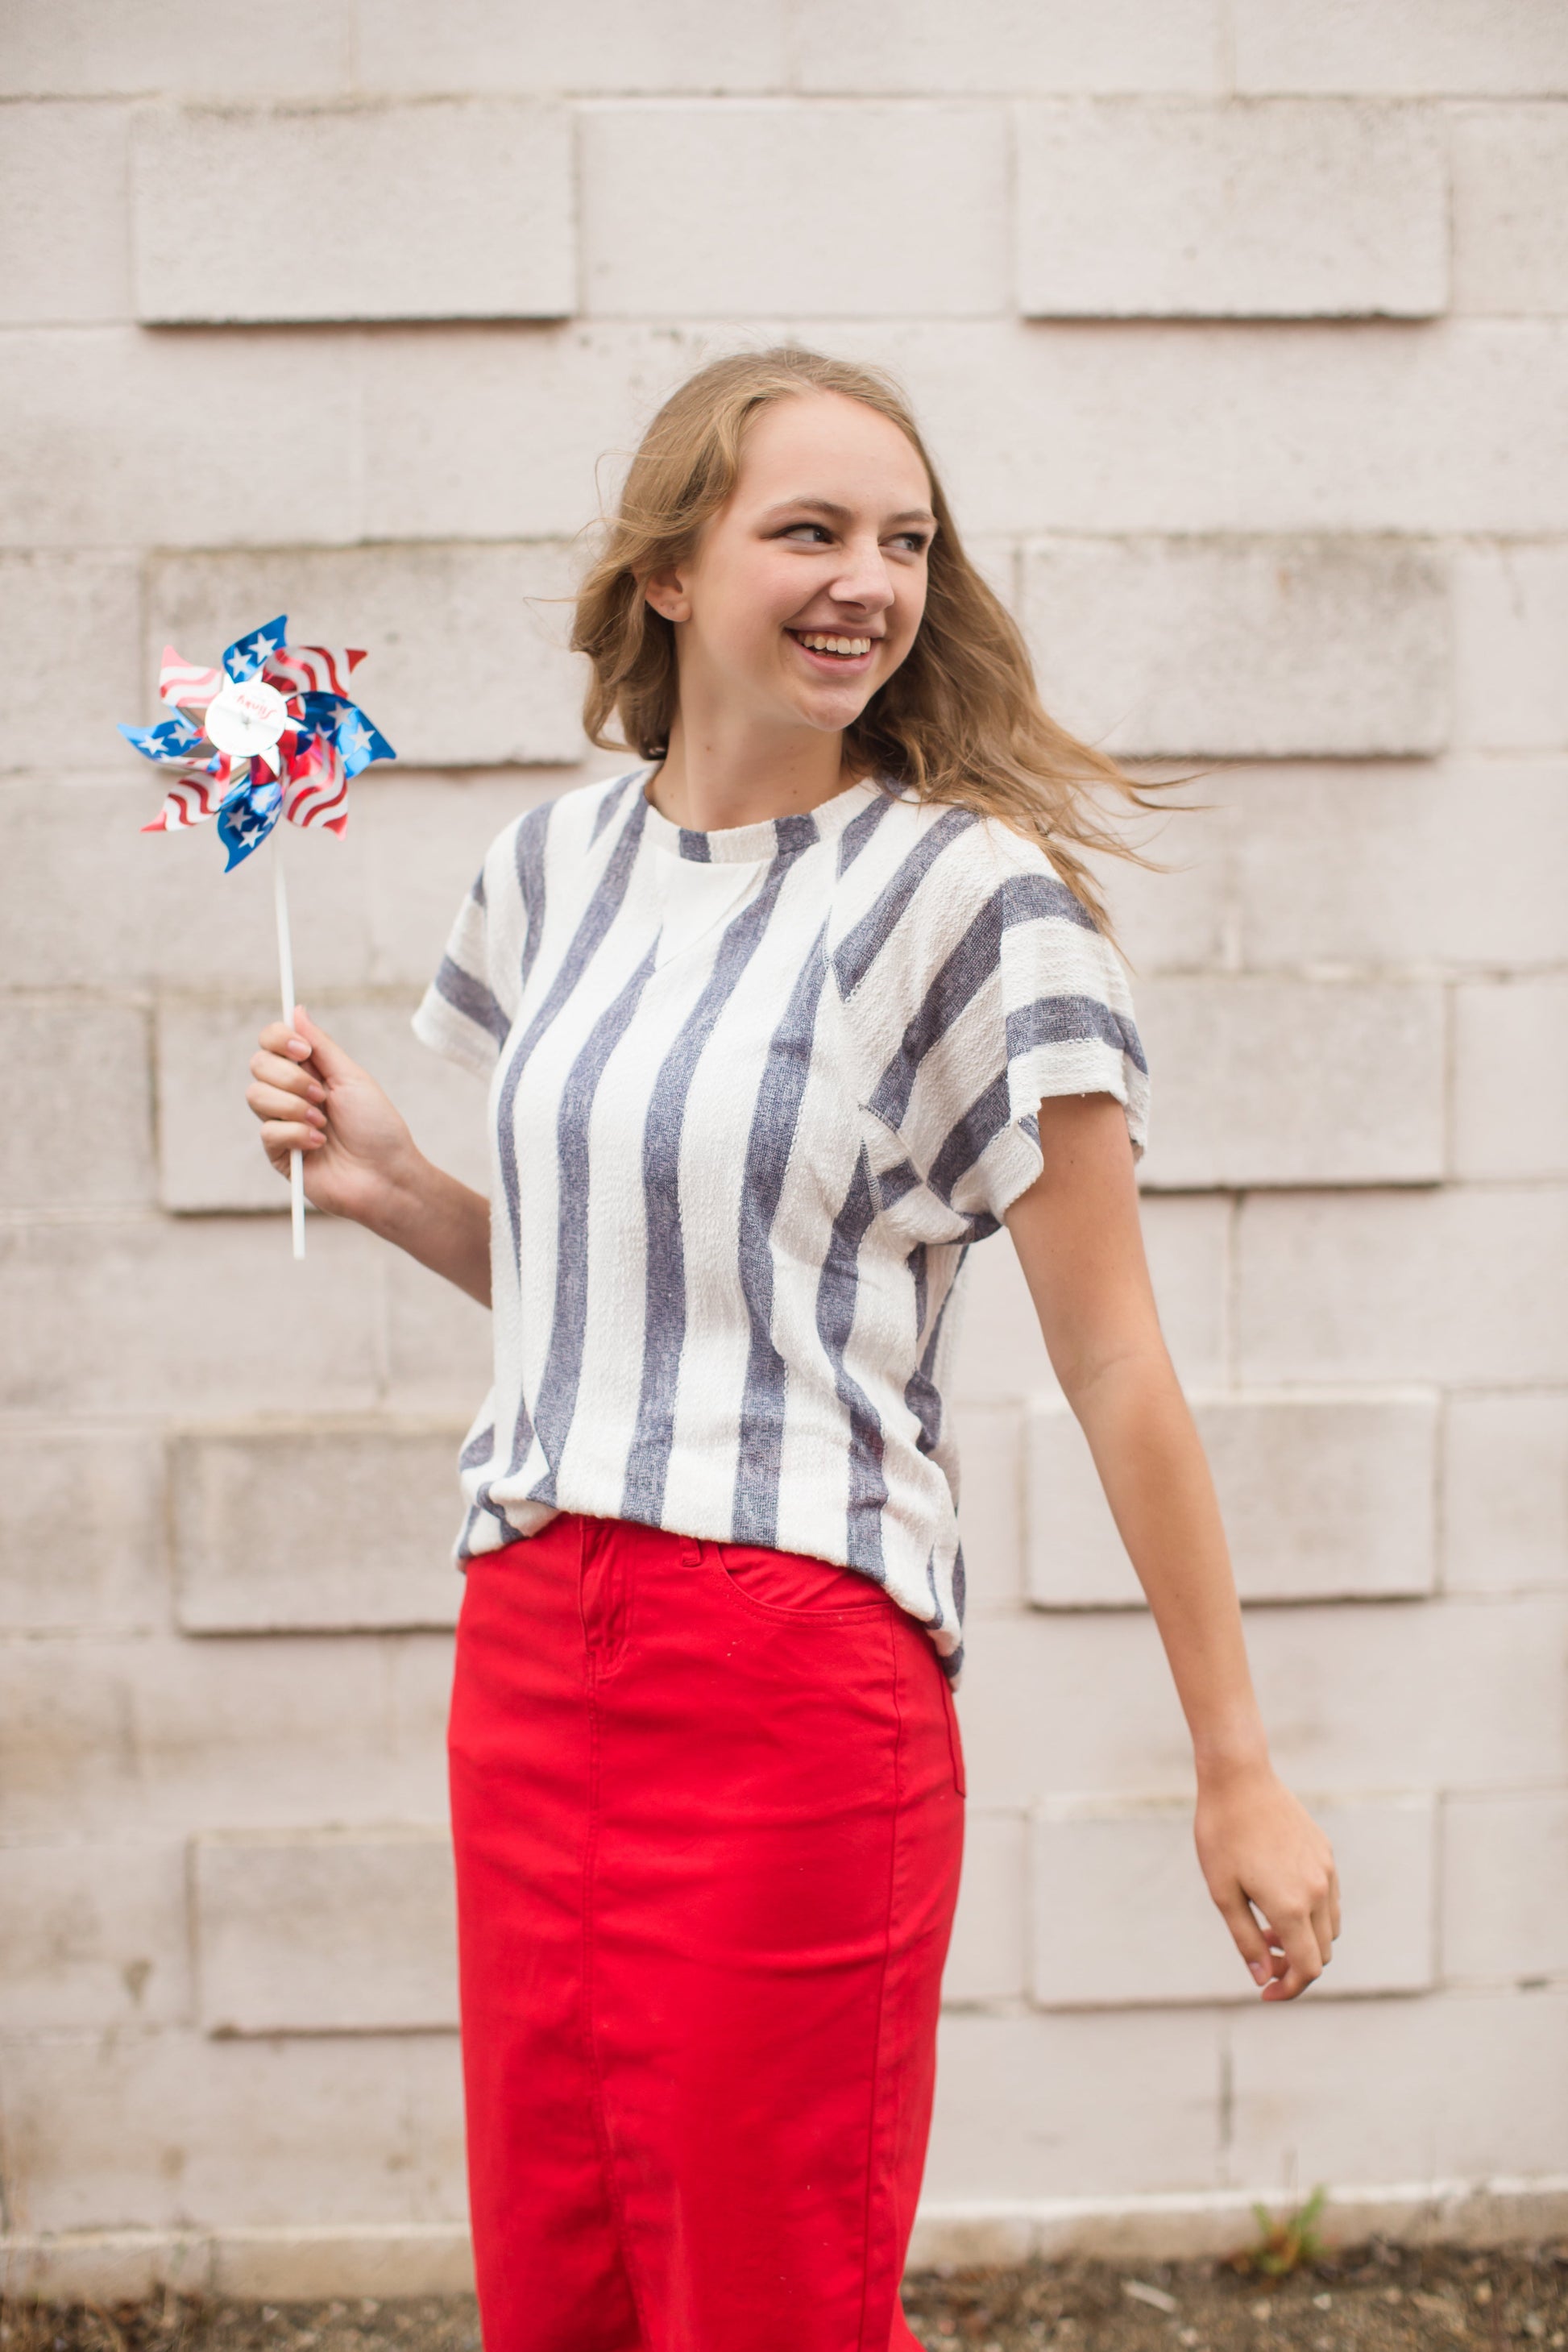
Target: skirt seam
point(590, 2038)
point(873, 2128)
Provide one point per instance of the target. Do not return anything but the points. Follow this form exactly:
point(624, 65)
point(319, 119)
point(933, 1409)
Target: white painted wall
point(1241, 330)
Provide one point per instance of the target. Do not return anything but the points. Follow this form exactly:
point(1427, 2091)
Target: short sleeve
point(993, 990)
point(464, 1013)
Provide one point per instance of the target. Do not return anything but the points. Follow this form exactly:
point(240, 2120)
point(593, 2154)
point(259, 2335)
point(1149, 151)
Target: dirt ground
point(1377, 2299)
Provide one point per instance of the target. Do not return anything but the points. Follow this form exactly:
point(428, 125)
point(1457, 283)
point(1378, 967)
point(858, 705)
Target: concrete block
point(92, 1937)
point(62, 194)
point(1324, 1498)
point(1294, 1082)
point(1461, 1286)
point(1505, 1494)
point(338, 1931)
point(991, 1505)
point(1011, 45)
point(81, 1529)
point(91, 902)
point(470, 664)
point(499, 432)
point(153, 2128)
point(1511, 1086)
point(53, 609)
point(998, 1353)
point(800, 184)
point(1079, 428)
point(1187, 1241)
point(1055, 2107)
point(1463, 1693)
point(440, 1343)
point(1377, 866)
point(1505, 1884)
point(169, 1736)
point(1456, 2088)
point(617, 45)
point(106, 2266)
point(1242, 647)
point(1411, 48)
point(458, 209)
point(1482, 1709)
point(120, 439)
point(1197, 428)
point(210, 1153)
point(424, 840)
point(98, 48)
point(1179, 918)
point(186, 1319)
point(393, 2262)
point(379, 1499)
point(83, 1071)
point(1290, 209)
point(1510, 189)
point(1122, 1916)
point(1510, 614)
point(985, 1959)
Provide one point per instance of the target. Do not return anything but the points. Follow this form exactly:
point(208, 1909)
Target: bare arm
point(360, 1159)
point(1079, 1242)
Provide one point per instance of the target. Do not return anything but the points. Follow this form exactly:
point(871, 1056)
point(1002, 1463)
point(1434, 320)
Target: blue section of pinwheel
point(358, 739)
point(245, 657)
point(173, 741)
point(248, 814)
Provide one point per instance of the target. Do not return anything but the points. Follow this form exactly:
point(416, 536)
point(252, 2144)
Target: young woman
point(777, 1025)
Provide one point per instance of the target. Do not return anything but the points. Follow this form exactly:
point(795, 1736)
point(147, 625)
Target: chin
point(833, 711)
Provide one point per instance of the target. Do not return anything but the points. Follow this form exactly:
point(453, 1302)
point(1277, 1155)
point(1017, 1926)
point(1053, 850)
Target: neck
point(715, 776)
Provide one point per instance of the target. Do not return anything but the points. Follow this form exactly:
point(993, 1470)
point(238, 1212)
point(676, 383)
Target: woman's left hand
point(1261, 1851)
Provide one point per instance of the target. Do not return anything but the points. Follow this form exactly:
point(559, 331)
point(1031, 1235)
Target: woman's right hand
point(311, 1098)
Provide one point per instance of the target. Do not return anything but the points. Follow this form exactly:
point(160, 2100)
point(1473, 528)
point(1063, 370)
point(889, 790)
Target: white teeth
point(824, 644)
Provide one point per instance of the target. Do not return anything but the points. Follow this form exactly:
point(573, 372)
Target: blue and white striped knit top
point(754, 1094)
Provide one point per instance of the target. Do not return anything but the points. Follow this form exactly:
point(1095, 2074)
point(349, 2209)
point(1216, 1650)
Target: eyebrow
point(843, 514)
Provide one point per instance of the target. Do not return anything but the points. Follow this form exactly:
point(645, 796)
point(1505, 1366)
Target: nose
point(864, 581)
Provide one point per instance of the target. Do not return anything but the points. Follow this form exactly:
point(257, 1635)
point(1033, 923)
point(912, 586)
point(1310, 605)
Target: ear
point(666, 592)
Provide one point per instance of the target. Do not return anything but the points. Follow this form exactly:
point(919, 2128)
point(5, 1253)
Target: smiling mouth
point(837, 648)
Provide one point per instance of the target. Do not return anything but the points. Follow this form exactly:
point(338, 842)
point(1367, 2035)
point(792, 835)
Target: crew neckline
point(753, 845)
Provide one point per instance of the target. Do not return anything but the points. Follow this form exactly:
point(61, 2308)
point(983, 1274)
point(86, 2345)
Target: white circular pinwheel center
point(245, 718)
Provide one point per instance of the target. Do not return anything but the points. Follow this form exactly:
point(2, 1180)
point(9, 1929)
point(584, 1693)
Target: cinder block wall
point(1239, 327)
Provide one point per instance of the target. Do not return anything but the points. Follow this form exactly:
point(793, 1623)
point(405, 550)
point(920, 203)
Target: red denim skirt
point(706, 1804)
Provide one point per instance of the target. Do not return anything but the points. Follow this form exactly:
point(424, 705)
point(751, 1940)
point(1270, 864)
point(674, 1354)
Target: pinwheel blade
point(189, 801)
point(318, 787)
point(169, 744)
point(248, 655)
point(249, 816)
point(181, 681)
point(358, 739)
point(313, 669)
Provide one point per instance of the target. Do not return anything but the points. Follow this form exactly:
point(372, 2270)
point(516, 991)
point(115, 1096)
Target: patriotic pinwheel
point(278, 737)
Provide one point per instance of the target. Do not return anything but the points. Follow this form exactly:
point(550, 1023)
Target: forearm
point(442, 1223)
point(1151, 1466)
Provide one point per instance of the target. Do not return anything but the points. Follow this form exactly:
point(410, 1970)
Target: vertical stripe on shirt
point(759, 1453)
point(564, 1363)
point(836, 1292)
point(664, 1313)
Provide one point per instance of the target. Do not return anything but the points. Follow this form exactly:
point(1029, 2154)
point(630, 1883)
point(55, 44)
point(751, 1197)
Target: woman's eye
point(794, 529)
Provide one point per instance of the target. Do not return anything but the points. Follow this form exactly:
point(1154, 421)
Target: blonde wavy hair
point(960, 721)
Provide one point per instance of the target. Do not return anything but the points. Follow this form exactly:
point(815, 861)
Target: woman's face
point(805, 590)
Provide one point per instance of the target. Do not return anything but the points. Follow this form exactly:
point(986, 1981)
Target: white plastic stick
point(286, 974)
